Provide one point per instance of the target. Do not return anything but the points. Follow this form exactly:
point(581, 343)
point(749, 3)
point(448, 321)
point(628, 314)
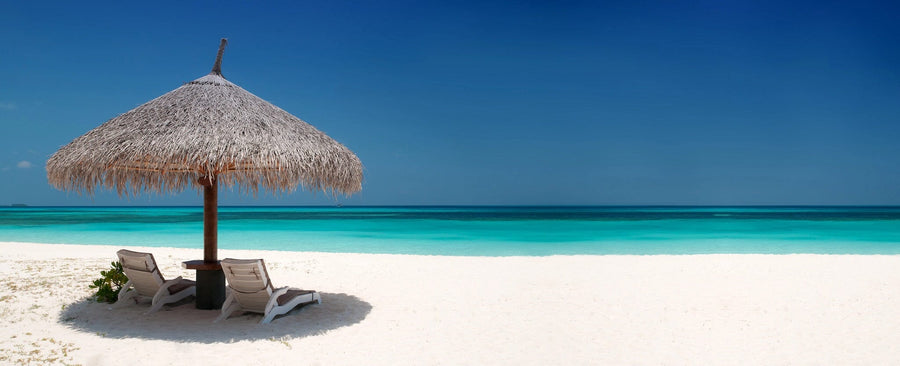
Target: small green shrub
point(109, 284)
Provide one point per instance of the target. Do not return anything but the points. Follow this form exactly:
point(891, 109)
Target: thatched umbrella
point(208, 132)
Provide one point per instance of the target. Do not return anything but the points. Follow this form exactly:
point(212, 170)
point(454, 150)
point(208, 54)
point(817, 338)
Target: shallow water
point(482, 231)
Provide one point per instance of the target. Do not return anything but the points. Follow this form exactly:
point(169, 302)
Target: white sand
point(396, 309)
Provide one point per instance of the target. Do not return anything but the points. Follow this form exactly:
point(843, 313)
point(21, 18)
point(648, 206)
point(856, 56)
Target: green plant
point(109, 284)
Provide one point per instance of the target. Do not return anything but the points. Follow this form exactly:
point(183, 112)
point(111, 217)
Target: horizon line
point(463, 205)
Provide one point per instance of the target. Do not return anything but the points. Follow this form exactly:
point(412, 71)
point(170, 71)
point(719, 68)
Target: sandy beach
point(400, 309)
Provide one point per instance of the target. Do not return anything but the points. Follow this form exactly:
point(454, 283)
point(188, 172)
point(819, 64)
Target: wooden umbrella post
point(210, 278)
point(210, 219)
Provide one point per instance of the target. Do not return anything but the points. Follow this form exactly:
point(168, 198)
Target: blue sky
point(518, 103)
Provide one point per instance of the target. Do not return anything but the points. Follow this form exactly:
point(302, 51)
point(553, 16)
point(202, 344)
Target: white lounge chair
point(252, 290)
point(144, 279)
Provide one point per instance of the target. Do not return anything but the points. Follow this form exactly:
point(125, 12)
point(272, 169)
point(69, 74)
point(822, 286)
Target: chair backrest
point(141, 269)
point(250, 282)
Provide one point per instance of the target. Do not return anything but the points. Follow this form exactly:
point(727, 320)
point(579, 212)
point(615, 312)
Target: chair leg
point(228, 307)
point(124, 296)
point(269, 316)
point(227, 310)
point(159, 304)
point(124, 290)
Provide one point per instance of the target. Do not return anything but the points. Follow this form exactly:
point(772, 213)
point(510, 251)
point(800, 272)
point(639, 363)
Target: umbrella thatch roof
point(206, 128)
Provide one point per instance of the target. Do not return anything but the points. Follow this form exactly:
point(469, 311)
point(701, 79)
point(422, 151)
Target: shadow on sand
point(185, 323)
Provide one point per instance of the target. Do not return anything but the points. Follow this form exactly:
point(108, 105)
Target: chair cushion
point(291, 294)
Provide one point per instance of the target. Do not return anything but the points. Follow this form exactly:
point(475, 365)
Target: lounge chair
point(252, 290)
point(144, 279)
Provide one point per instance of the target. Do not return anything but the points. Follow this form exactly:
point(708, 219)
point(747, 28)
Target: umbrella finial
point(217, 67)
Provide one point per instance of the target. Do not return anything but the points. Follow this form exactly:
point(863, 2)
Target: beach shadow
point(183, 322)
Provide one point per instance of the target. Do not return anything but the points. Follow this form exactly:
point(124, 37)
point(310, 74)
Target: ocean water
point(474, 231)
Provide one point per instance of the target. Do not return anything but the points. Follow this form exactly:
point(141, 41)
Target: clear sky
point(494, 103)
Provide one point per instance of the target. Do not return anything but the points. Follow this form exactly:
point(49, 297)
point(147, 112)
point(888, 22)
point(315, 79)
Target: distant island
point(19, 205)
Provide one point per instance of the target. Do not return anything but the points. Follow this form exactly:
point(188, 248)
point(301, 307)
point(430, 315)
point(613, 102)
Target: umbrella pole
point(210, 220)
point(210, 278)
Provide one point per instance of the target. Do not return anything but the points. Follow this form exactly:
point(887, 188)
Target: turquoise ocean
point(473, 231)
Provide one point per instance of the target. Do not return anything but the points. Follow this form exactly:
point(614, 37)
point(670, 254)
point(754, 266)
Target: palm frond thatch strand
point(206, 128)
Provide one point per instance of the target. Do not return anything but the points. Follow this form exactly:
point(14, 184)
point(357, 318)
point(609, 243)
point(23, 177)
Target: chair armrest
point(164, 289)
point(273, 300)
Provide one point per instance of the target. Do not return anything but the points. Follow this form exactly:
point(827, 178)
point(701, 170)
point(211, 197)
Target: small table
point(210, 283)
